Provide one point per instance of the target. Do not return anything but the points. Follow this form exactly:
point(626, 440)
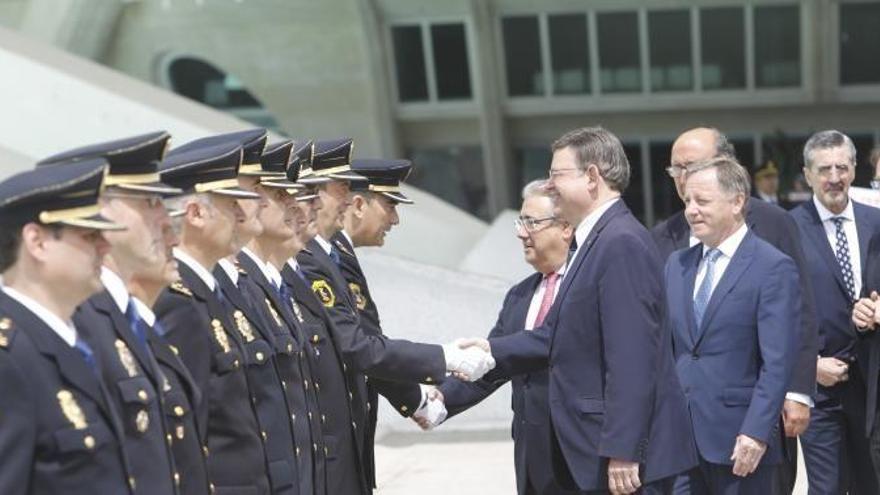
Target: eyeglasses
point(530, 224)
point(676, 171)
point(559, 172)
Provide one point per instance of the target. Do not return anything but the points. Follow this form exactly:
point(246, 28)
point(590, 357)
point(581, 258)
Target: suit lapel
point(738, 265)
point(236, 298)
point(864, 232)
point(680, 231)
point(104, 303)
point(691, 266)
point(817, 235)
point(301, 290)
point(331, 268)
point(270, 292)
point(201, 291)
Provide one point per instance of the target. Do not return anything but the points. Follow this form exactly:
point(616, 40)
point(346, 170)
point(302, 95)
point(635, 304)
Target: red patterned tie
point(547, 300)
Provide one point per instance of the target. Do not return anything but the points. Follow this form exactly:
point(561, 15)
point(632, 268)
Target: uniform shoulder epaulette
point(6, 331)
point(180, 288)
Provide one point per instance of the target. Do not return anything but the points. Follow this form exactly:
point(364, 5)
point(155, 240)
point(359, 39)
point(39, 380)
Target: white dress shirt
point(144, 312)
point(586, 226)
point(197, 267)
point(728, 247)
point(63, 329)
point(535, 305)
point(325, 245)
point(230, 269)
point(852, 237)
point(266, 269)
point(347, 237)
point(116, 287)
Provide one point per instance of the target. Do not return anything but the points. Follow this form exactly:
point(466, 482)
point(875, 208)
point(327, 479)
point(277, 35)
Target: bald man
point(773, 225)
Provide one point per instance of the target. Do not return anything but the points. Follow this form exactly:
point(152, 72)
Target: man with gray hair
point(545, 239)
point(733, 302)
point(617, 413)
point(835, 232)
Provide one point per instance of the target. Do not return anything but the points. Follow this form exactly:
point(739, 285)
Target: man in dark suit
point(618, 417)
point(545, 240)
point(109, 318)
point(835, 232)
point(773, 225)
point(196, 320)
point(734, 305)
point(866, 317)
point(59, 432)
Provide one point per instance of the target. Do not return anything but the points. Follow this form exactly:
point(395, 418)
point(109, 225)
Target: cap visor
point(398, 197)
point(286, 184)
point(352, 176)
point(305, 197)
point(176, 213)
point(94, 222)
point(261, 173)
point(235, 192)
point(151, 188)
point(313, 180)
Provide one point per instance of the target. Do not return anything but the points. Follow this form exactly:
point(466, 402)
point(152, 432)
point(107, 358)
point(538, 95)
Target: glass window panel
point(669, 32)
point(532, 163)
point(522, 56)
point(409, 58)
point(569, 54)
point(620, 63)
point(666, 200)
point(634, 195)
point(860, 43)
point(451, 61)
point(744, 147)
point(787, 153)
point(722, 32)
point(777, 46)
point(864, 143)
point(453, 173)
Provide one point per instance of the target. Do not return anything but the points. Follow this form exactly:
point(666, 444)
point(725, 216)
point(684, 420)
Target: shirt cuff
point(802, 398)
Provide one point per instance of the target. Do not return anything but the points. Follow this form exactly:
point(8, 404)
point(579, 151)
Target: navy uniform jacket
point(197, 325)
point(870, 342)
point(58, 432)
point(264, 386)
point(180, 398)
point(736, 367)
point(613, 392)
point(367, 353)
point(771, 223)
point(300, 387)
point(131, 375)
point(345, 472)
point(531, 410)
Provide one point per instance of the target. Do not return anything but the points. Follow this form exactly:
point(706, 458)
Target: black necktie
point(334, 255)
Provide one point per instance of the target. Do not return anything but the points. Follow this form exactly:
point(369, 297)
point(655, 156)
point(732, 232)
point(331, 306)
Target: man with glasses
point(545, 240)
point(618, 417)
point(773, 225)
point(835, 232)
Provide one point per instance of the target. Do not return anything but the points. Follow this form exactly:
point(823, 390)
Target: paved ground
point(455, 463)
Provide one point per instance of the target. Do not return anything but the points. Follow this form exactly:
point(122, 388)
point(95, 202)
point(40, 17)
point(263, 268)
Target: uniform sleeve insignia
point(244, 326)
point(273, 312)
point(220, 335)
point(358, 294)
point(126, 358)
point(182, 289)
point(5, 330)
point(71, 409)
point(325, 294)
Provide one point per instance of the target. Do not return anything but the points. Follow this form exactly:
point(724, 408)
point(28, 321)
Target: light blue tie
point(701, 299)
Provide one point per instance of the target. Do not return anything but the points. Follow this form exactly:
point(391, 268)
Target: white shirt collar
point(325, 245)
point(825, 214)
point(65, 330)
point(116, 287)
point(230, 269)
point(263, 266)
point(273, 274)
point(144, 311)
point(197, 267)
point(293, 263)
point(347, 238)
point(729, 246)
point(587, 224)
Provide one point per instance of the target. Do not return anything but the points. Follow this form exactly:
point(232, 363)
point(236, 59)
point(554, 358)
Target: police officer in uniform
point(58, 430)
point(194, 316)
point(110, 320)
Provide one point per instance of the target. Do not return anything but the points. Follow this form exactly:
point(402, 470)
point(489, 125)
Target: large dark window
point(634, 195)
point(670, 46)
point(569, 53)
point(619, 61)
point(409, 58)
point(532, 163)
point(860, 43)
point(522, 56)
point(453, 173)
point(777, 46)
point(451, 61)
point(722, 32)
point(666, 200)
